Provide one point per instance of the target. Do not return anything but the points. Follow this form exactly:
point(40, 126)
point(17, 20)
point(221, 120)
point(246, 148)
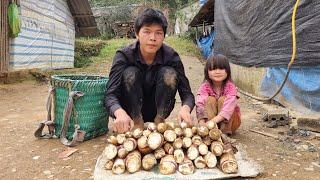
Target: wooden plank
point(264, 133)
point(309, 123)
point(87, 28)
point(4, 40)
point(82, 15)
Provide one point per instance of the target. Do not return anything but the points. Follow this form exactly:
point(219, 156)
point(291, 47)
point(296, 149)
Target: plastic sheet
point(247, 168)
point(258, 33)
point(14, 20)
point(206, 44)
point(302, 88)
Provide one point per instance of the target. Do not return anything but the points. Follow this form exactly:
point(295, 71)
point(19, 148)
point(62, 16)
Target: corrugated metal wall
point(4, 38)
point(47, 36)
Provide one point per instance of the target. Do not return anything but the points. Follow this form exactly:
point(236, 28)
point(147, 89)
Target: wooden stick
point(265, 134)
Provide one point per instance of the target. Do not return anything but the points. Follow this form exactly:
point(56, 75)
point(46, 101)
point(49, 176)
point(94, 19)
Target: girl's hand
point(218, 119)
point(202, 122)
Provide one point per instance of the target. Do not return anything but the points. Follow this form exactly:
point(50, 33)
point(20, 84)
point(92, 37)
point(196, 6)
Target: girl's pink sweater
point(230, 103)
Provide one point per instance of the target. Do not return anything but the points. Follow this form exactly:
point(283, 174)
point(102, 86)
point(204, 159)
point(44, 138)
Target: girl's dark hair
point(217, 61)
point(150, 16)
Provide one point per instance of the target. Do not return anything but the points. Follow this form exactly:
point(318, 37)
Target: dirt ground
point(22, 156)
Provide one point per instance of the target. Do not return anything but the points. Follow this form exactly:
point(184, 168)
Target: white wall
point(47, 36)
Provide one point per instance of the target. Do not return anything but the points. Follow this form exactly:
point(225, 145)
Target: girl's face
point(217, 75)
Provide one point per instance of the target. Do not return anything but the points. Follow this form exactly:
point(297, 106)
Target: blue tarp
point(206, 44)
point(202, 2)
point(302, 88)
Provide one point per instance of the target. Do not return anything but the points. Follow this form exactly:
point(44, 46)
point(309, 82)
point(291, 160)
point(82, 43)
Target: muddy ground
point(22, 156)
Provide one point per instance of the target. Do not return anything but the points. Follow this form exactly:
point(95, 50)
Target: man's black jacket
point(130, 56)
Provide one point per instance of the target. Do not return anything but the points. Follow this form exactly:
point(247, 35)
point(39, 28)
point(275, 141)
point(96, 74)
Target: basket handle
point(48, 122)
point(78, 134)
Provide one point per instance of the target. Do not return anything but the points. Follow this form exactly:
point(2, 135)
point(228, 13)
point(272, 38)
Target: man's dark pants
point(148, 100)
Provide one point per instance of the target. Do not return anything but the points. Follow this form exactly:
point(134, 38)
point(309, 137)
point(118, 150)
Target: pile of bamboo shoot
point(173, 148)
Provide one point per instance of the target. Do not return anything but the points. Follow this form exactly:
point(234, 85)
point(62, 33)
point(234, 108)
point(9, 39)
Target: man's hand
point(185, 115)
point(123, 122)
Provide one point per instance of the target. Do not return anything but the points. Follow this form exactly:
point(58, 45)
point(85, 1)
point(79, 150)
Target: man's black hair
point(150, 16)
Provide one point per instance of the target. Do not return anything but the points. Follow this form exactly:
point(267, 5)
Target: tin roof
point(85, 23)
point(205, 15)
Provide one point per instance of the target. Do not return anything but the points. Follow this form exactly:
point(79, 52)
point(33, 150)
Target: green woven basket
point(91, 114)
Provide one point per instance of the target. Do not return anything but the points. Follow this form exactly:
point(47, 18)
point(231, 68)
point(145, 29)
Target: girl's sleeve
point(230, 101)
point(202, 96)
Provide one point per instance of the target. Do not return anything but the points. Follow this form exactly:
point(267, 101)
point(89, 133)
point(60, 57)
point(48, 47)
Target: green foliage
point(98, 63)
point(80, 61)
point(107, 22)
point(191, 34)
point(125, 11)
point(109, 51)
point(183, 45)
point(85, 48)
point(99, 3)
point(172, 4)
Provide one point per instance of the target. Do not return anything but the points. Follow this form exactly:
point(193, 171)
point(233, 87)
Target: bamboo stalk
point(110, 151)
point(178, 155)
point(112, 140)
point(148, 162)
point(211, 160)
point(142, 142)
point(118, 166)
point(162, 127)
point(178, 131)
point(169, 135)
point(159, 153)
point(122, 152)
point(203, 149)
point(146, 132)
point(109, 164)
point(187, 132)
point(130, 144)
point(168, 148)
point(216, 148)
point(155, 140)
point(186, 142)
point(121, 138)
point(137, 133)
point(177, 144)
point(203, 131)
point(228, 163)
point(200, 163)
point(168, 165)
point(186, 167)
point(133, 161)
point(193, 152)
point(196, 140)
point(152, 127)
point(215, 134)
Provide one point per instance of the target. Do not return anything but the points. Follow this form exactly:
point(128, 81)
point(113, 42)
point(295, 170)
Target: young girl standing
point(217, 96)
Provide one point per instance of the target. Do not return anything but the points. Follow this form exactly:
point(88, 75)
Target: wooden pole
point(4, 40)
point(265, 134)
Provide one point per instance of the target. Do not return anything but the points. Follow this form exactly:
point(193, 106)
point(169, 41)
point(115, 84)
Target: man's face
point(151, 38)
